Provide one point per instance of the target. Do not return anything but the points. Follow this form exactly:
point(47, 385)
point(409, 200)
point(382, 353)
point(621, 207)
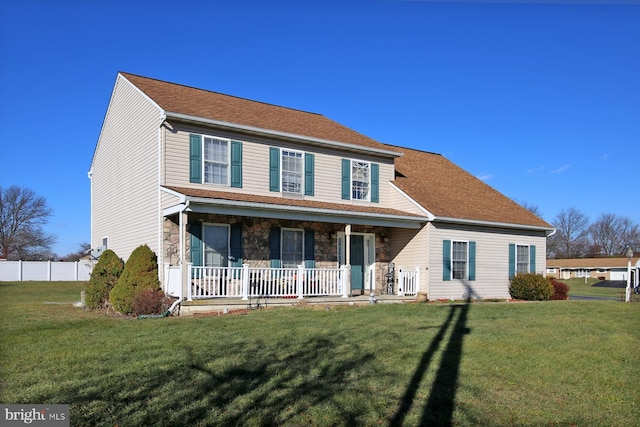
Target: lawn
point(578, 286)
point(492, 364)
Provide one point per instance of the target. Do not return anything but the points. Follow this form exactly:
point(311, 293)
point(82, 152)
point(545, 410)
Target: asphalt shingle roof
point(437, 184)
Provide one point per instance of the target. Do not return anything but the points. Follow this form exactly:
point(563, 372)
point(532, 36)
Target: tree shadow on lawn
point(244, 383)
point(312, 380)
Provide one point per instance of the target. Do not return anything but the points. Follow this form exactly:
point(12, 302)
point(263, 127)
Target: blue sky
point(540, 99)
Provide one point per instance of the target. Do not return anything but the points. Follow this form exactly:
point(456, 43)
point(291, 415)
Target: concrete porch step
point(215, 305)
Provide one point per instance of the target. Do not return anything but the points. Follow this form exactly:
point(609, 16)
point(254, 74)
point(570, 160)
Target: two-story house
point(239, 197)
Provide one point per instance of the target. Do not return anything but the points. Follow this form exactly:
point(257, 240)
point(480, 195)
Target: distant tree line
point(610, 235)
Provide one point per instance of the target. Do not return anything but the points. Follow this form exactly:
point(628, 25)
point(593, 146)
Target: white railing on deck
point(245, 281)
point(408, 281)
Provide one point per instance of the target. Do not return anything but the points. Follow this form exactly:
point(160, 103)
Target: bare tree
point(534, 209)
point(77, 255)
point(570, 238)
point(612, 235)
point(22, 215)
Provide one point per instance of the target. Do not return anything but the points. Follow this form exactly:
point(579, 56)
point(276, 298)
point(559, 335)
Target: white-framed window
point(105, 242)
point(292, 171)
point(216, 245)
point(360, 180)
point(292, 249)
point(459, 260)
point(216, 160)
point(522, 259)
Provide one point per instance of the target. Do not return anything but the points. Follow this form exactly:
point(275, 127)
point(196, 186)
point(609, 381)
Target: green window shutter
point(274, 247)
point(446, 260)
point(195, 158)
point(375, 184)
point(309, 249)
point(532, 259)
point(346, 179)
point(196, 243)
point(236, 245)
point(309, 160)
point(472, 261)
point(236, 164)
point(512, 260)
point(274, 169)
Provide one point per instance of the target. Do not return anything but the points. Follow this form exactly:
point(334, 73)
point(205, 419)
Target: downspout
point(181, 295)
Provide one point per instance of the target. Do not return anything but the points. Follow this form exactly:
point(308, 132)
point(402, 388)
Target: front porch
point(226, 287)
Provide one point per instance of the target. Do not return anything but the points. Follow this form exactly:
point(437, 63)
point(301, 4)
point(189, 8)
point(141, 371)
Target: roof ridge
point(125, 74)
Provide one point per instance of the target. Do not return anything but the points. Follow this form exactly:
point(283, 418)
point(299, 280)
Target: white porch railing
point(408, 281)
point(245, 281)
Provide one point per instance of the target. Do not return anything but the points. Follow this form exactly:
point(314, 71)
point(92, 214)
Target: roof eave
point(205, 205)
point(283, 135)
point(493, 224)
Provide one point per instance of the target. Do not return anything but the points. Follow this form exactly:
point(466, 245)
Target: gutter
point(320, 211)
point(286, 135)
point(492, 224)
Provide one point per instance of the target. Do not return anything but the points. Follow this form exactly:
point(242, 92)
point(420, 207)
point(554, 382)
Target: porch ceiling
point(228, 203)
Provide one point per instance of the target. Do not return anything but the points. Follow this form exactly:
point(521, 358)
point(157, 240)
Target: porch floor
point(215, 305)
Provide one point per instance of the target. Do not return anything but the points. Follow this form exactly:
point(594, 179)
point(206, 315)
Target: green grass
point(577, 286)
point(491, 364)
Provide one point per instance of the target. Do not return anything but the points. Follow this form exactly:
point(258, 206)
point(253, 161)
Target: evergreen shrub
point(140, 273)
point(560, 290)
point(531, 287)
point(103, 278)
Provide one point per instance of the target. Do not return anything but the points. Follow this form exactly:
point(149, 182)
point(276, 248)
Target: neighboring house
point(604, 268)
point(238, 197)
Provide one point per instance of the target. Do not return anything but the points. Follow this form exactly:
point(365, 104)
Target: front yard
point(550, 363)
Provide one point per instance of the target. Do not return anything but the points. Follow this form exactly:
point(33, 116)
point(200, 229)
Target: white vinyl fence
point(19, 271)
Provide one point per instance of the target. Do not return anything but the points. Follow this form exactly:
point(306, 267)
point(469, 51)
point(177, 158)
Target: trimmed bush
point(140, 274)
point(560, 290)
point(103, 278)
point(530, 287)
point(150, 301)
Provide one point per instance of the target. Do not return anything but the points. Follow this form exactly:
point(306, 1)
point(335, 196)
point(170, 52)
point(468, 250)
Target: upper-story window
point(292, 171)
point(360, 180)
point(216, 161)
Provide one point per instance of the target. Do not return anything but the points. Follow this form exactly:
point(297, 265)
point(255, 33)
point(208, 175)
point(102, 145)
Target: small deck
point(219, 305)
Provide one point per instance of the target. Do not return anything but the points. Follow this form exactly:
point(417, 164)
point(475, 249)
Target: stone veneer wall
point(255, 244)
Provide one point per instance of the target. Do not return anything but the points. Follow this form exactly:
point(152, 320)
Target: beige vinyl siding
point(255, 165)
point(168, 200)
point(398, 200)
point(492, 260)
point(410, 249)
point(125, 174)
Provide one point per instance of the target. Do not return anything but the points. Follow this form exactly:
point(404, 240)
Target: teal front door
point(357, 262)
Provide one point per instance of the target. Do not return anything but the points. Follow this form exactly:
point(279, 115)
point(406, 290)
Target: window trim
point(302, 235)
point(302, 171)
point(351, 180)
point(205, 161)
point(528, 262)
point(466, 260)
point(204, 242)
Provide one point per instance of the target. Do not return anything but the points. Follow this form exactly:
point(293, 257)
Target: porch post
point(245, 282)
point(346, 280)
point(189, 265)
point(300, 281)
point(401, 281)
